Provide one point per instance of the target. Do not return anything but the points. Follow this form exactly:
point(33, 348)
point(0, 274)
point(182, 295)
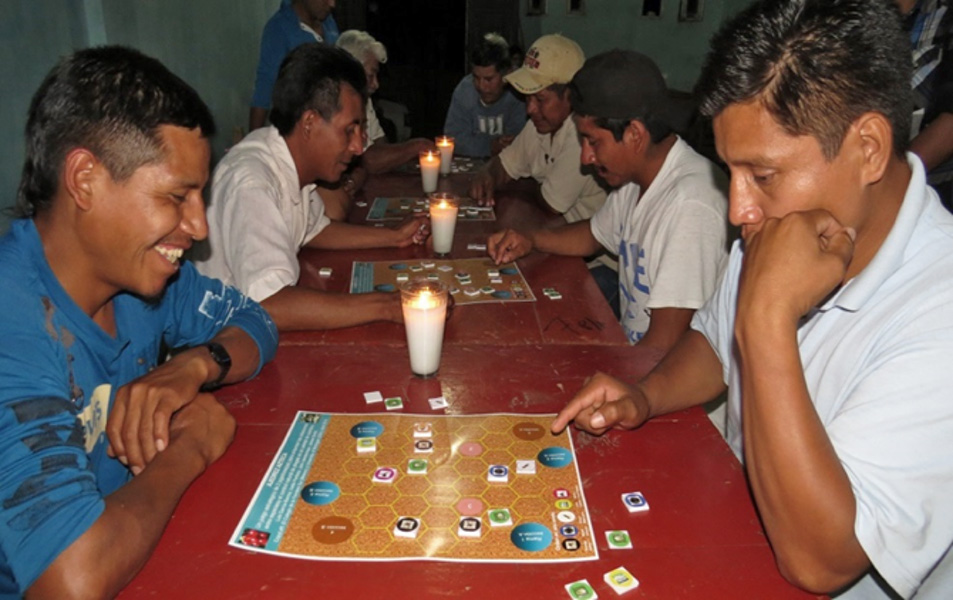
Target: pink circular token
point(470, 507)
point(471, 449)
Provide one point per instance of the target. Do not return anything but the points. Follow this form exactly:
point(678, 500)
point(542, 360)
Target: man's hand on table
point(413, 230)
point(498, 143)
point(204, 424)
point(482, 187)
point(604, 403)
point(138, 423)
point(508, 245)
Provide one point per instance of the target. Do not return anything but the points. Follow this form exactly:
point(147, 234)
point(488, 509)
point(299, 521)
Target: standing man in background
point(296, 22)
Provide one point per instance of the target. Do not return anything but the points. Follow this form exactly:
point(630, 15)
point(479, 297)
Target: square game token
point(325, 271)
point(372, 397)
point(526, 467)
point(366, 445)
point(500, 517)
point(635, 502)
point(469, 527)
point(438, 403)
point(394, 403)
point(417, 466)
point(423, 430)
point(401, 277)
point(423, 446)
point(621, 580)
point(480, 247)
point(498, 474)
point(407, 527)
point(384, 475)
point(618, 539)
point(581, 590)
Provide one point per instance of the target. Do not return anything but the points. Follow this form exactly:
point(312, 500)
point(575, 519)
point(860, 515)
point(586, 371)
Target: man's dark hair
point(110, 100)
point(815, 65)
point(310, 78)
point(491, 51)
point(658, 130)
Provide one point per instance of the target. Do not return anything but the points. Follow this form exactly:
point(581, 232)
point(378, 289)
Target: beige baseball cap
point(551, 59)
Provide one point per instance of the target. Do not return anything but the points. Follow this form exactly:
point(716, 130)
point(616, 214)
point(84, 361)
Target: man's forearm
point(934, 145)
point(689, 375)
point(346, 236)
point(800, 487)
point(297, 308)
point(574, 239)
point(107, 556)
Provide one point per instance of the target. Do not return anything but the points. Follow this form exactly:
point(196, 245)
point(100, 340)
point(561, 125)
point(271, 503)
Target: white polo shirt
point(259, 216)
point(554, 161)
point(878, 362)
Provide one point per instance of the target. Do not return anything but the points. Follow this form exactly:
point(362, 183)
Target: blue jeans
point(608, 282)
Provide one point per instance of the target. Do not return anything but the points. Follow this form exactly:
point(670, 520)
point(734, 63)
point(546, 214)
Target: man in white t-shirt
point(667, 222)
point(264, 207)
point(833, 325)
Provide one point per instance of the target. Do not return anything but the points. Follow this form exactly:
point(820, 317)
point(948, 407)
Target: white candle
point(424, 305)
point(443, 220)
point(429, 170)
point(445, 145)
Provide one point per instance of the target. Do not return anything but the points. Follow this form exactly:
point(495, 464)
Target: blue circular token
point(398, 266)
point(320, 493)
point(385, 287)
point(531, 537)
point(366, 429)
point(509, 271)
point(555, 457)
point(504, 294)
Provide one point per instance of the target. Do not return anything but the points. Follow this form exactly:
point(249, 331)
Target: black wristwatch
point(223, 360)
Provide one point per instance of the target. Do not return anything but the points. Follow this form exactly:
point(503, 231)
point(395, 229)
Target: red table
point(700, 539)
point(581, 317)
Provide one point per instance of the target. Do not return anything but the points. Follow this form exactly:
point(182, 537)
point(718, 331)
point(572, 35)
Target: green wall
point(212, 44)
point(678, 47)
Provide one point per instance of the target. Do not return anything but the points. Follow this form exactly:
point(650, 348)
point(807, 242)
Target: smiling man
point(264, 207)
point(484, 116)
point(832, 327)
point(111, 196)
point(667, 219)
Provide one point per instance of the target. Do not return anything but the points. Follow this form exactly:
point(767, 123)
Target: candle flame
point(424, 299)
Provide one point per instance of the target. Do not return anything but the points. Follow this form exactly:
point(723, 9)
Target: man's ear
point(80, 171)
point(635, 134)
point(874, 139)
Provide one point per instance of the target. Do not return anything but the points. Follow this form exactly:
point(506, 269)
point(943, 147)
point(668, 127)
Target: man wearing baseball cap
point(547, 149)
point(667, 221)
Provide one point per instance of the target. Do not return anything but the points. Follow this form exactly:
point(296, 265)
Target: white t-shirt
point(553, 161)
point(374, 130)
point(259, 216)
point(672, 242)
point(877, 363)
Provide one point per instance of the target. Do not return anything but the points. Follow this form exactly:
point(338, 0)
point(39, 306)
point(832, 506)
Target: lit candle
point(445, 145)
point(424, 305)
point(429, 170)
point(443, 220)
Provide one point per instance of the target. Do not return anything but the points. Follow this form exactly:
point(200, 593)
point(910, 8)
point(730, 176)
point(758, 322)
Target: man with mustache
point(667, 218)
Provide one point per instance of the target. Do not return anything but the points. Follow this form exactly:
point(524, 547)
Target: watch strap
point(224, 361)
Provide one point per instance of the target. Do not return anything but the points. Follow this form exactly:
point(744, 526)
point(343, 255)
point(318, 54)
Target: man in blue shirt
point(484, 115)
point(296, 22)
point(97, 442)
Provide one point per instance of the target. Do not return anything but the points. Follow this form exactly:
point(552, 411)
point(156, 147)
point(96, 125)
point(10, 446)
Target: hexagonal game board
point(498, 488)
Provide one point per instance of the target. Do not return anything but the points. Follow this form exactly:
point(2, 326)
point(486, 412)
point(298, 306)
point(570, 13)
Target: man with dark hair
point(666, 219)
point(117, 156)
point(484, 116)
point(296, 22)
point(832, 327)
point(264, 207)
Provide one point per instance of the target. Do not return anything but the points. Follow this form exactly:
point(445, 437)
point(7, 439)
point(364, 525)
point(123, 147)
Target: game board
point(400, 207)
point(471, 280)
point(490, 488)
